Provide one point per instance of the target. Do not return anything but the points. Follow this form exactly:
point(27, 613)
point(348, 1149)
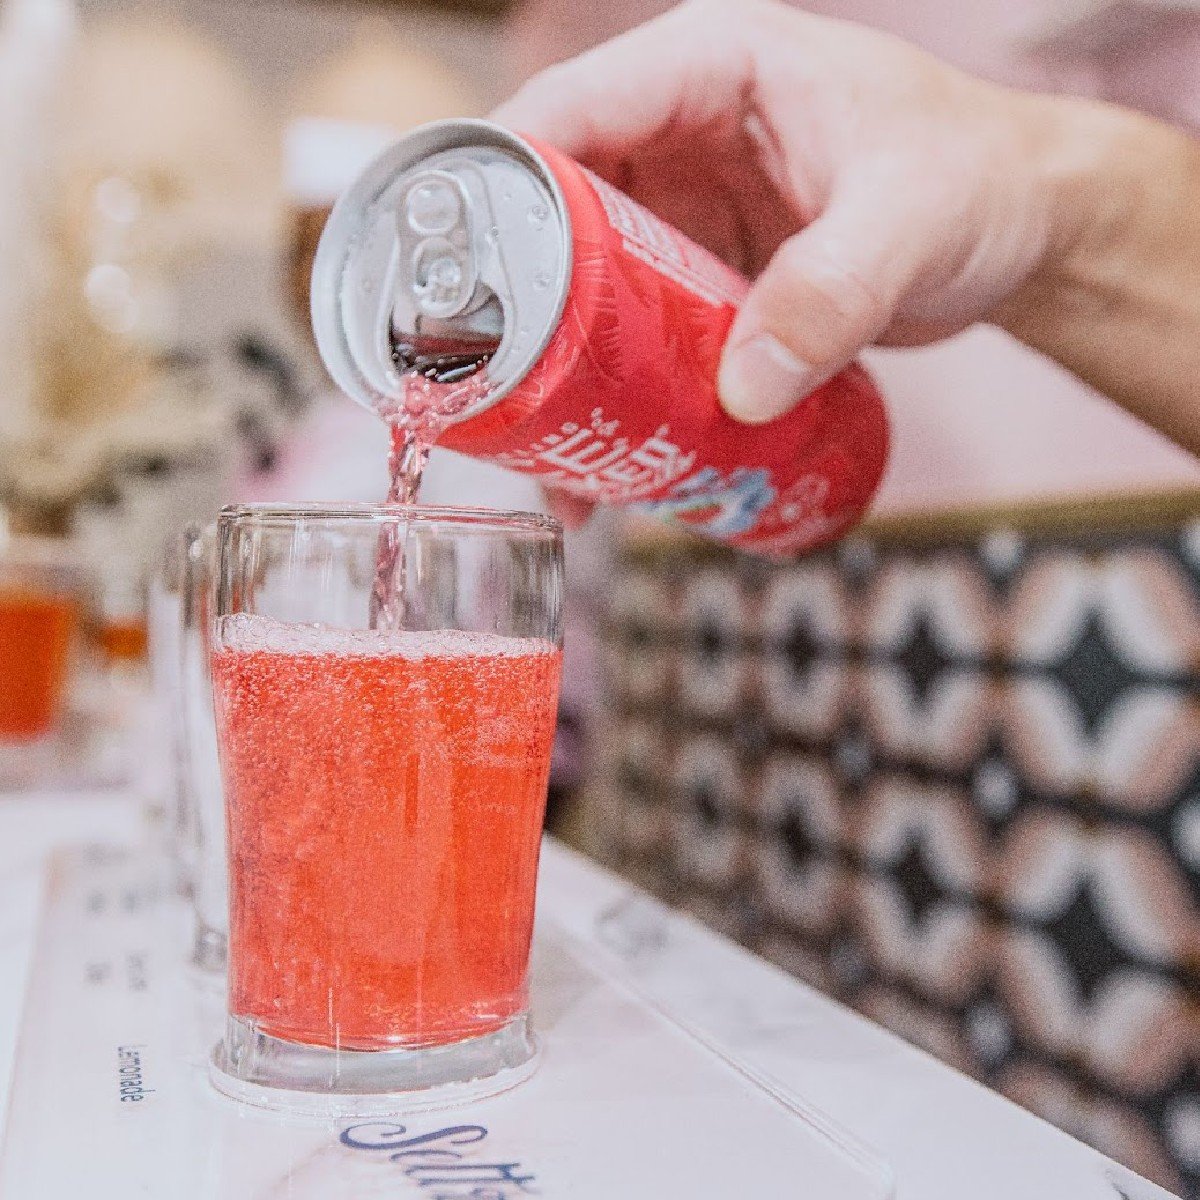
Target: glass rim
point(486, 519)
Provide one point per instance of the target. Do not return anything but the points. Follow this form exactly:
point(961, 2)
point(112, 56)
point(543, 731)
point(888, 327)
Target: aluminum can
point(583, 335)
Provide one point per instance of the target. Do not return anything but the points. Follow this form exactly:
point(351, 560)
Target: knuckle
point(825, 304)
point(549, 81)
point(836, 281)
point(529, 97)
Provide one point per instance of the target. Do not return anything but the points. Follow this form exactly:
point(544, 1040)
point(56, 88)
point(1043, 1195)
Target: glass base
point(317, 1081)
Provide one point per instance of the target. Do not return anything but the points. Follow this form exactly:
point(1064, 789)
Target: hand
point(876, 194)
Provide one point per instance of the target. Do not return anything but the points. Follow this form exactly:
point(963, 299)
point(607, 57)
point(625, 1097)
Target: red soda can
point(590, 332)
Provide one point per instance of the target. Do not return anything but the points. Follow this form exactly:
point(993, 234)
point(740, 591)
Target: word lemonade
point(480, 289)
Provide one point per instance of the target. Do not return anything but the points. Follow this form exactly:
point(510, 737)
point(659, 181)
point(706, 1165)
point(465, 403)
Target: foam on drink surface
point(246, 633)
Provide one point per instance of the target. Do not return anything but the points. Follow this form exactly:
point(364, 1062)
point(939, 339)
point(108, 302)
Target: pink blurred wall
point(980, 418)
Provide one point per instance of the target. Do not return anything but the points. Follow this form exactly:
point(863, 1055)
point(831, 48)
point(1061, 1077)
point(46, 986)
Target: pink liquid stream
point(415, 420)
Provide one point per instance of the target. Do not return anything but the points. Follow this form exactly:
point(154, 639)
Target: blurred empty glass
point(202, 778)
point(165, 622)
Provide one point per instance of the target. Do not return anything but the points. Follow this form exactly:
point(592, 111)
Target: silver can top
point(448, 258)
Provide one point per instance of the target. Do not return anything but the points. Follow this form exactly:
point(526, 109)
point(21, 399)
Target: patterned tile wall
point(952, 781)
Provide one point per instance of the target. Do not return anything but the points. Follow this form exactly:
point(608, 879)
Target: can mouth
point(448, 261)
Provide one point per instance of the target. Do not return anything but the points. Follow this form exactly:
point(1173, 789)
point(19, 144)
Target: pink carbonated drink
point(385, 795)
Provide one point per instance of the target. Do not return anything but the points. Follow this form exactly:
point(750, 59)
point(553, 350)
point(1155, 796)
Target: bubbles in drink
point(249, 633)
point(436, 746)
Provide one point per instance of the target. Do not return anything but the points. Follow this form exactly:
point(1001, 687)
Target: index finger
point(682, 67)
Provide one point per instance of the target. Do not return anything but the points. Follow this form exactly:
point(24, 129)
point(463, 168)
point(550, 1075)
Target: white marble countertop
point(944, 1136)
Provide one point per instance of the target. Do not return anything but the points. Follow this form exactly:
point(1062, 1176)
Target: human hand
point(876, 194)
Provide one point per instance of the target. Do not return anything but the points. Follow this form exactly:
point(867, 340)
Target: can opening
point(449, 350)
point(449, 259)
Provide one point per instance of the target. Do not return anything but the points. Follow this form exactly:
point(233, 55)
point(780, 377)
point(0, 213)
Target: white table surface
point(946, 1137)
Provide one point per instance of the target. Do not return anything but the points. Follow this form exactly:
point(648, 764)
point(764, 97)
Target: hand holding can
point(557, 328)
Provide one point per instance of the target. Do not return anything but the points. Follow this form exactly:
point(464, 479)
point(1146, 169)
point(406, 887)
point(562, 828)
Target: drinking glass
point(165, 603)
point(386, 683)
point(202, 775)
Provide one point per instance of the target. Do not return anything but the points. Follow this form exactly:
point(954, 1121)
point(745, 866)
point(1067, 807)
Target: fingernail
point(760, 379)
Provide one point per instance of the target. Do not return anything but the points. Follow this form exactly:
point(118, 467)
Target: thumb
point(827, 292)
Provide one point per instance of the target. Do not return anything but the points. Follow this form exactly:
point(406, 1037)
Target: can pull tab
point(436, 232)
point(446, 322)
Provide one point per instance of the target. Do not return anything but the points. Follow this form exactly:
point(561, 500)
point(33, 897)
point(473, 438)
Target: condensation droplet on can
point(493, 234)
point(538, 214)
point(541, 281)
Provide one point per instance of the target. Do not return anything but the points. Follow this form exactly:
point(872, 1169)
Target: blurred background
point(948, 772)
